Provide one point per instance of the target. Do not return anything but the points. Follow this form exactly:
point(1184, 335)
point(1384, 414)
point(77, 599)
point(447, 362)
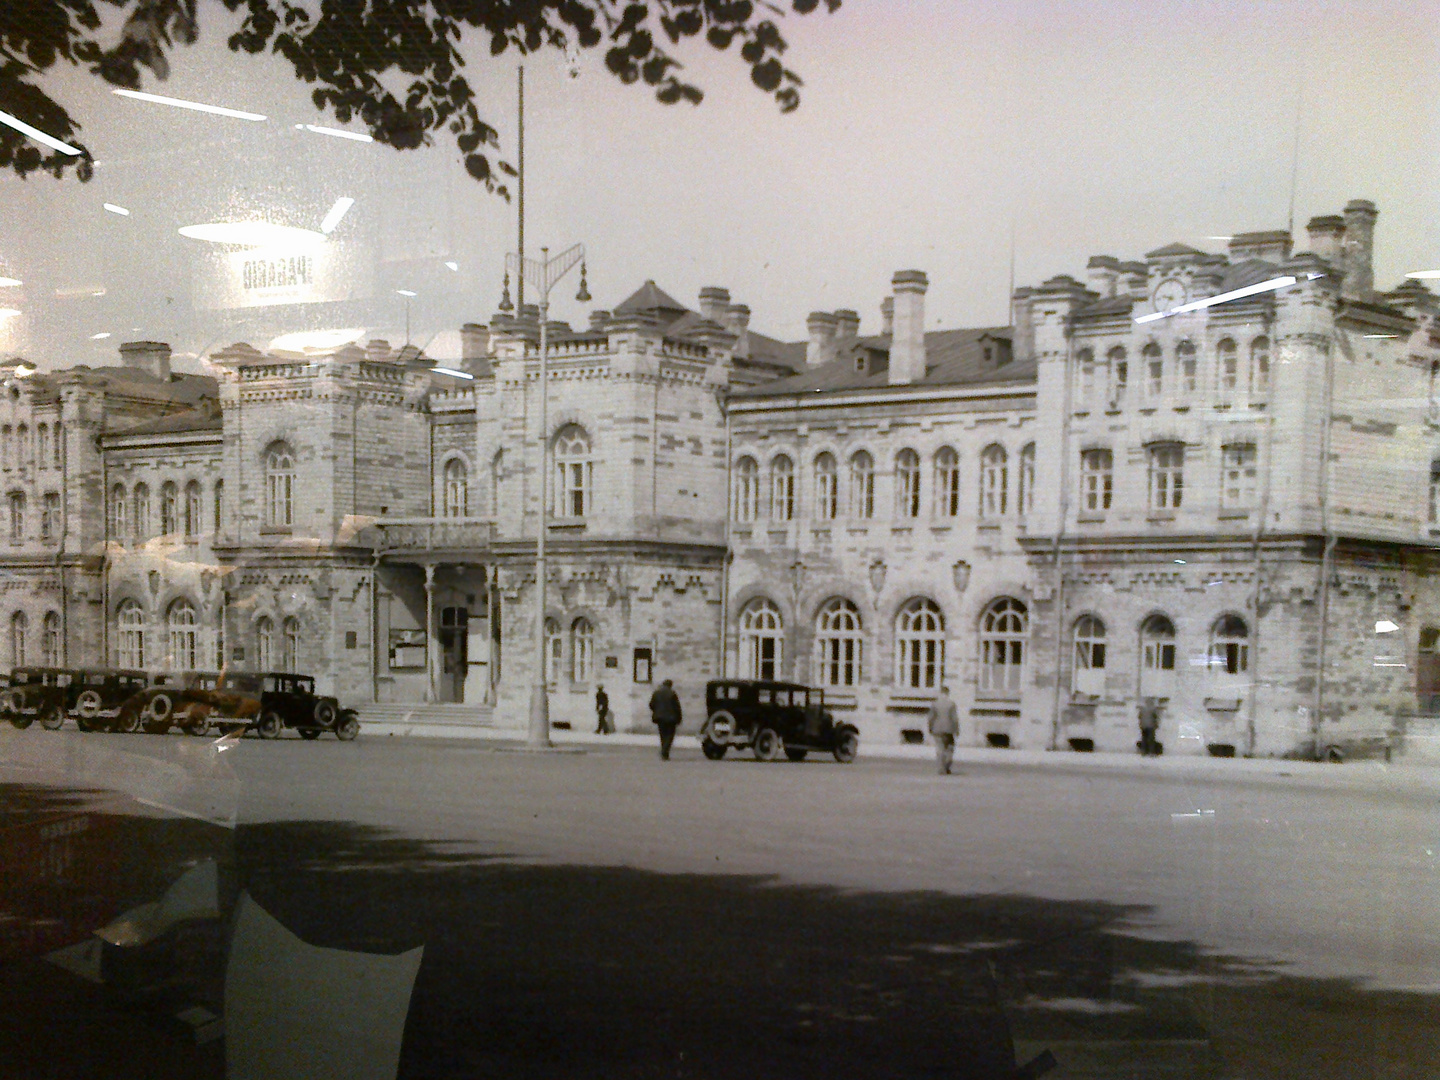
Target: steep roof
point(650, 298)
point(1173, 250)
point(205, 418)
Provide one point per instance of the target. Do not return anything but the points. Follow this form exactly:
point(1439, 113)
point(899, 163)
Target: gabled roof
point(1173, 250)
point(205, 418)
point(1248, 272)
point(650, 298)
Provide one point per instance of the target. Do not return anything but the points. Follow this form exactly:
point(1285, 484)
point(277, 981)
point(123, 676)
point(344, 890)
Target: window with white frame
point(1237, 476)
point(180, 621)
point(142, 512)
point(169, 509)
point(947, 483)
point(1097, 478)
point(782, 489)
point(1157, 644)
point(1119, 371)
point(582, 650)
point(1167, 476)
point(17, 517)
point(1152, 366)
point(19, 626)
point(1025, 495)
point(762, 641)
point(994, 480)
point(838, 643)
point(194, 510)
point(290, 644)
point(747, 489)
point(50, 516)
point(1227, 368)
point(1188, 367)
point(862, 485)
point(264, 643)
point(554, 651)
point(279, 487)
point(455, 501)
point(574, 472)
point(130, 634)
point(118, 516)
point(827, 487)
point(1260, 366)
point(1088, 676)
point(907, 484)
point(50, 647)
point(1229, 646)
point(919, 645)
point(1004, 628)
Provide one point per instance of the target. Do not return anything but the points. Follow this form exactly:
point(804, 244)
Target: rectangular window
point(1154, 378)
point(1096, 481)
point(1167, 479)
point(50, 517)
point(1237, 477)
point(642, 665)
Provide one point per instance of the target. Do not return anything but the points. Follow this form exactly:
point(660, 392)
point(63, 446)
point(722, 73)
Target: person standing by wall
point(1149, 721)
point(944, 724)
point(665, 715)
point(603, 726)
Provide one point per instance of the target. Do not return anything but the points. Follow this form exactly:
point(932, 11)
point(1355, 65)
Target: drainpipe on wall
point(374, 628)
point(59, 434)
point(105, 563)
point(1328, 548)
point(1250, 733)
point(1060, 531)
point(725, 557)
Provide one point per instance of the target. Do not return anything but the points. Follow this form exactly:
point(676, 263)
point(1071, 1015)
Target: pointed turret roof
point(650, 297)
point(1172, 250)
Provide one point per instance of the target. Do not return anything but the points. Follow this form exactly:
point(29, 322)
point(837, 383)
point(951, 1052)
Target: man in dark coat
point(665, 714)
point(602, 711)
point(1149, 721)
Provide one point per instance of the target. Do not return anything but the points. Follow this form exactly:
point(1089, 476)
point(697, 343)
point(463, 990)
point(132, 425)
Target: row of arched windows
point(572, 493)
point(1227, 650)
point(22, 647)
point(50, 520)
point(1107, 380)
point(181, 512)
point(581, 641)
point(855, 497)
point(274, 651)
point(19, 451)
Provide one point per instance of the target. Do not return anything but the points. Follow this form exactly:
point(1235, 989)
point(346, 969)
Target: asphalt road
point(603, 913)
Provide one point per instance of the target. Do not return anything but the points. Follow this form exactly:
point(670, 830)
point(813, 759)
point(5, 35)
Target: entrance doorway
point(454, 653)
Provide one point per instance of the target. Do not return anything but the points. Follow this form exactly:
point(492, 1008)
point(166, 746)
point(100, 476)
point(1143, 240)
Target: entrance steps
point(437, 713)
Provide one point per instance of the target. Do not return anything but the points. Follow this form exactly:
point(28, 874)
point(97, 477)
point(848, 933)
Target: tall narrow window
point(747, 490)
point(220, 641)
point(279, 487)
point(1025, 496)
point(1153, 364)
point(17, 517)
point(180, 621)
point(456, 502)
point(1003, 630)
point(50, 639)
point(554, 651)
point(57, 446)
point(762, 642)
point(130, 636)
point(574, 472)
point(142, 512)
point(1096, 480)
point(1085, 382)
point(1435, 491)
point(1260, 366)
point(290, 644)
point(1119, 375)
point(1230, 646)
point(1089, 673)
point(497, 474)
point(1167, 476)
point(1157, 641)
point(907, 484)
point(169, 509)
point(19, 625)
point(919, 645)
point(7, 447)
point(194, 511)
point(264, 644)
point(862, 485)
point(50, 517)
point(827, 484)
point(838, 644)
point(219, 507)
point(1237, 476)
point(782, 489)
point(118, 516)
point(582, 650)
point(1188, 367)
point(947, 483)
point(1227, 365)
point(24, 450)
point(993, 481)
point(42, 446)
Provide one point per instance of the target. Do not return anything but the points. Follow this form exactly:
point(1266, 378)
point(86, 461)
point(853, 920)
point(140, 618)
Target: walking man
point(1149, 721)
point(602, 711)
point(944, 724)
point(665, 714)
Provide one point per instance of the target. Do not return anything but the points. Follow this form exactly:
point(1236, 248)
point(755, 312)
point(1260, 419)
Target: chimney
point(1023, 339)
point(151, 356)
point(1271, 246)
point(714, 302)
point(598, 321)
point(474, 342)
point(1326, 233)
point(738, 318)
point(377, 349)
point(821, 350)
point(1358, 249)
point(1103, 271)
point(907, 344)
point(1135, 278)
point(887, 316)
point(847, 325)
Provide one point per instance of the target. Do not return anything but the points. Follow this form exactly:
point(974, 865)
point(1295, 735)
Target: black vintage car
point(288, 700)
point(38, 693)
point(97, 698)
point(772, 718)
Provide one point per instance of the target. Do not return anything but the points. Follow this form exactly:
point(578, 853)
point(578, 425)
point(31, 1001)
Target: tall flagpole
point(520, 184)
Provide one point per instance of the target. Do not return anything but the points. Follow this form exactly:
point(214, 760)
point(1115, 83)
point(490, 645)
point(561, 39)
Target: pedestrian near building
point(1149, 721)
point(665, 715)
point(944, 724)
point(603, 726)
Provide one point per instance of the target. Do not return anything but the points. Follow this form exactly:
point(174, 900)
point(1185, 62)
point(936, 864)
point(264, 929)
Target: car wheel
point(88, 703)
point(160, 707)
point(767, 744)
point(199, 725)
point(52, 718)
point(796, 753)
point(325, 713)
point(270, 726)
point(309, 733)
point(847, 746)
point(128, 721)
point(20, 722)
point(347, 727)
point(713, 750)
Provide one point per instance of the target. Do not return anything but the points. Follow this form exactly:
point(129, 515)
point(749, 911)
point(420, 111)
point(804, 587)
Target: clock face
point(1169, 294)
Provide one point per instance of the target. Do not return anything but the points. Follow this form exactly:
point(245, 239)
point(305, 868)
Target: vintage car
point(165, 702)
point(772, 718)
point(97, 697)
point(198, 702)
point(38, 693)
point(289, 700)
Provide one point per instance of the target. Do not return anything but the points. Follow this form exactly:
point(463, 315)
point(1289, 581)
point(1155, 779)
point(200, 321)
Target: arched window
point(130, 636)
point(1227, 368)
point(1026, 494)
point(7, 447)
point(1152, 363)
point(1089, 673)
point(290, 644)
point(554, 651)
point(1003, 629)
point(25, 453)
point(169, 509)
point(142, 512)
point(118, 517)
point(50, 639)
point(1085, 388)
point(1188, 367)
point(1119, 374)
point(919, 645)
point(827, 483)
point(279, 486)
point(180, 621)
point(194, 513)
point(264, 644)
point(762, 643)
point(838, 644)
point(1230, 646)
point(862, 485)
point(947, 483)
point(497, 473)
point(456, 501)
point(17, 517)
point(907, 484)
point(1096, 480)
point(49, 516)
point(58, 446)
point(747, 489)
point(574, 472)
point(582, 650)
point(219, 506)
point(1157, 644)
point(19, 624)
point(42, 446)
point(1260, 366)
point(1167, 476)
point(1435, 491)
point(782, 489)
point(993, 480)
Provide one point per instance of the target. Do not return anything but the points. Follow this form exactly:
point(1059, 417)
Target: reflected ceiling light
point(1424, 275)
point(452, 372)
point(1373, 336)
point(8, 312)
point(6, 282)
point(453, 265)
point(194, 106)
point(38, 135)
point(71, 292)
point(1211, 301)
point(337, 133)
point(252, 234)
point(338, 211)
point(317, 340)
point(24, 370)
point(116, 209)
point(100, 336)
point(405, 292)
point(1385, 626)
point(1219, 238)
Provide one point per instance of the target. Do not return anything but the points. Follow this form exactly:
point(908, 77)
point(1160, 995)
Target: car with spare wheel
point(167, 702)
point(97, 698)
point(771, 719)
point(38, 693)
point(289, 701)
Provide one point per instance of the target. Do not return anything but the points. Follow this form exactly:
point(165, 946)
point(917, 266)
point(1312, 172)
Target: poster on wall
point(407, 649)
point(264, 277)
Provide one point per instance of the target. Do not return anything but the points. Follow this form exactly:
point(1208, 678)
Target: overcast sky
point(929, 129)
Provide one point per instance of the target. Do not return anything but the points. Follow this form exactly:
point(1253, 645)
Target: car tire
point(309, 734)
point(198, 725)
point(127, 721)
point(88, 703)
point(270, 726)
point(713, 750)
point(767, 744)
point(847, 746)
point(52, 718)
point(347, 726)
point(796, 753)
point(160, 707)
point(20, 723)
point(325, 713)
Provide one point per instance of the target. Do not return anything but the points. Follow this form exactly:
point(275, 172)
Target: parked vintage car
point(38, 693)
point(290, 700)
point(198, 702)
point(165, 701)
point(97, 698)
point(772, 718)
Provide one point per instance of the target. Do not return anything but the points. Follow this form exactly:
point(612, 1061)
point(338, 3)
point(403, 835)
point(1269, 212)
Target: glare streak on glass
point(114, 209)
point(337, 133)
point(1211, 301)
point(38, 135)
point(195, 106)
point(7, 282)
point(338, 211)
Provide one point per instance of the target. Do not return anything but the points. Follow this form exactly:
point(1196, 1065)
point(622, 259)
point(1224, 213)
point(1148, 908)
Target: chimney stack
point(907, 344)
point(847, 325)
point(1326, 233)
point(474, 342)
point(599, 320)
point(151, 356)
point(737, 318)
point(1271, 246)
point(887, 316)
point(821, 349)
point(1357, 250)
point(1103, 271)
point(714, 303)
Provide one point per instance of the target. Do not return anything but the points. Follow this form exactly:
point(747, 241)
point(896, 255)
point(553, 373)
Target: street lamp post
point(543, 274)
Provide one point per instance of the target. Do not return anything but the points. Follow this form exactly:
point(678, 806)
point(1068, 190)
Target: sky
point(944, 136)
